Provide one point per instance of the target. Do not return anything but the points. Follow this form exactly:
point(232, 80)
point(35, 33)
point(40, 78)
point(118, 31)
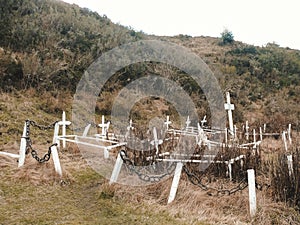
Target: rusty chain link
point(29, 148)
point(143, 176)
point(197, 181)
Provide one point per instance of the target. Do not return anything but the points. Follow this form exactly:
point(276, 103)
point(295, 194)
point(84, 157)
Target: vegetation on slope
point(46, 46)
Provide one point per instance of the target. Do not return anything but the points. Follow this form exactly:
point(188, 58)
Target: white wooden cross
point(104, 126)
point(168, 122)
point(64, 123)
point(203, 121)
point(229, 107)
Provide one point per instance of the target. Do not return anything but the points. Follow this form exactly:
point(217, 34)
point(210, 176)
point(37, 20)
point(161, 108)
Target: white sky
point(255, 22)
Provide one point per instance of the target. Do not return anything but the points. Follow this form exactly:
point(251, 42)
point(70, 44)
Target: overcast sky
point(255, 22)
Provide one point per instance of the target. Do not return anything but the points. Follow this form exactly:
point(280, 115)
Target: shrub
point(227, 37)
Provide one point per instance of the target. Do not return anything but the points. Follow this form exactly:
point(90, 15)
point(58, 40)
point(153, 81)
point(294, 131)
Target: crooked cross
point(229, 107)
point(203, 121)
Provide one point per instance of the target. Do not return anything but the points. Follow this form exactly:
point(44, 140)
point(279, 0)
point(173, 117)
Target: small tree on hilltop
point(227, 37)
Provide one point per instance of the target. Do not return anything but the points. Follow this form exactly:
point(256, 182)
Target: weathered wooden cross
point(229, 107)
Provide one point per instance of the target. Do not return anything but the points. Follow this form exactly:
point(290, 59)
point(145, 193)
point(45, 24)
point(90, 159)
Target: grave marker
point(203, 121)
point(168, 122)
point(247, 130)
point(64, 123)
point(229, 107)
point(104, 127)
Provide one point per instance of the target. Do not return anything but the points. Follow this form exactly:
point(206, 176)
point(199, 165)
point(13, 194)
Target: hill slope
point(46, 46)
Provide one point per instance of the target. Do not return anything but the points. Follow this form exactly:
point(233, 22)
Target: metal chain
point(143, 176)
point(41, 127)
point(29, 147)
point(197, 181)
point(45, 158)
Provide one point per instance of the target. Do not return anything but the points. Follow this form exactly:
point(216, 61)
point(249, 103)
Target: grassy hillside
point(46, 46)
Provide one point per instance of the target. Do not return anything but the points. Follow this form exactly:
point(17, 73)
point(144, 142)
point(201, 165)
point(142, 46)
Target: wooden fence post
point(56, 160)
point(175, 182)
point(22, 151)
point(252, 192)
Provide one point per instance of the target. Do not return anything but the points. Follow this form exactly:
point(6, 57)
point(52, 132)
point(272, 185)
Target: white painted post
point(226, 138)
point(56, 160)
point(64, 124)
point(86, 130)
point(102, 125)
point(55, 135)
point(168, 122)
point(289, 133)
point(106, 153)
point(284, 141)
point(175, 182)
point(230, 170)
point(116, 170)
point(290, 164)
point(254, 138)
point(265, 126)
point(229, 107)
point(247, 131)
point(252, 192)
point(22, 151)
point(235, 132)
point(260, 134)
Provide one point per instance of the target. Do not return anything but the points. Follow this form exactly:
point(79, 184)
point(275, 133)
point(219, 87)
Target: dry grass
point(82, 196)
